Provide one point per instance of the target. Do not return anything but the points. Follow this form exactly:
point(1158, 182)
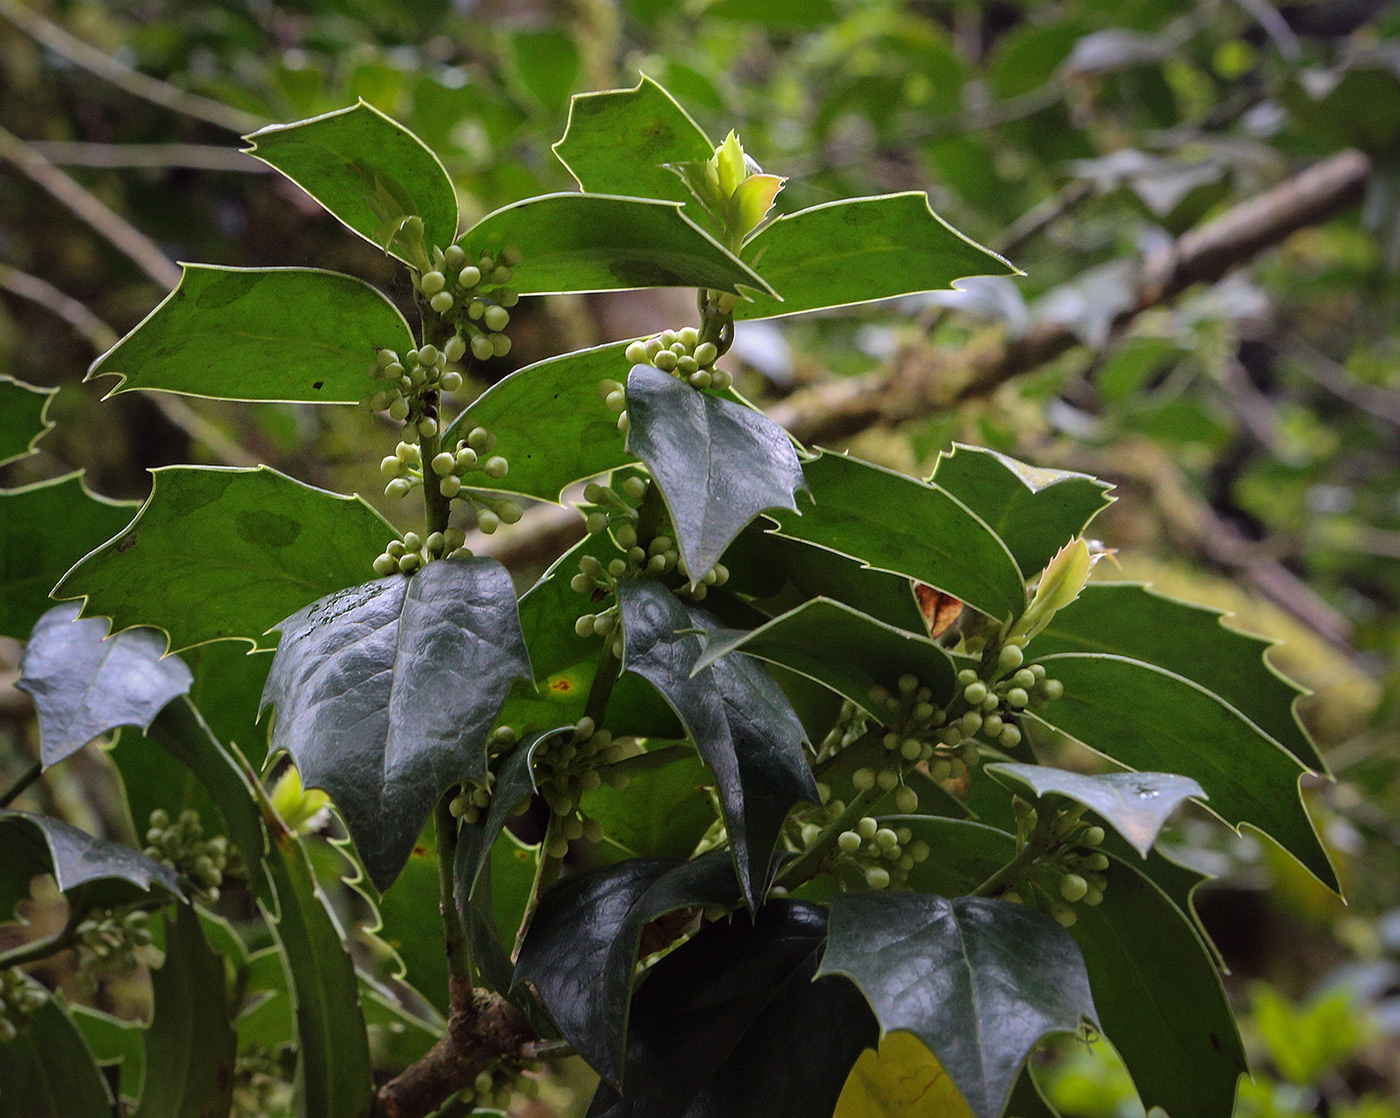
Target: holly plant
point(767, 789)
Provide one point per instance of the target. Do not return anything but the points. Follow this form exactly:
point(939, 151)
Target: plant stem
point(37, 949)
point(1036, 846)
point(13, 792)
point(436, 507)
point(604, 676)
point(445, 825)
point(546, 874)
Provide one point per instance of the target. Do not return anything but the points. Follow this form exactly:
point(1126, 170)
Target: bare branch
point(98, 334)
point(196, 157)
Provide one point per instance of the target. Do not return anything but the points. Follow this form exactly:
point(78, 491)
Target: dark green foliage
point(23, 417)
point(48, 1070)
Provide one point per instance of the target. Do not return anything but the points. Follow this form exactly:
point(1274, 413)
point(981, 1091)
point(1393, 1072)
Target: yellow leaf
point(905, 1080)
point(752, 200)
point(730, 165)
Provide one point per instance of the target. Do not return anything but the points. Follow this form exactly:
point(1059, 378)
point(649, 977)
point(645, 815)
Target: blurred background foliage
point(1252, 427)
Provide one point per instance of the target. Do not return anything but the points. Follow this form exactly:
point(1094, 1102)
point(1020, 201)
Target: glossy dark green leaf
point(843, 648)
point(582, 947)
point(1035, 511)
point(897, 524)
point(260, 334)
point(84, 685)
point(228, 682)
point(778, 573)
point(77, 860)
point(859, 249)
point(619, 140)
point(732, 1025)
point(190, 1045)
point(44, 529)
point(1137, 805)
point(227, 553)
point(385, 693)
point(48, 1071)
point(599, 242)
point(550, 423)
point(1154, 983)
point(1130, 620)
point(979, 981)
point(333, 1078)
point(113, 1041)
point(1151, 720)
point(222, 772)
point(739, 719)
point(718, 464)
point(366, 169)
point(663, 812)
point(24, 417)
point(1160, 998)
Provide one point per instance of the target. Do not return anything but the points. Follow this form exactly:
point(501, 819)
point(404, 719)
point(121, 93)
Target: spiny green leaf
point(663, 812)
point(1152, 720)
point(410, 926)
point(897, 524)
point(859, 249)
point(260, 334)
point(190, 1045)
point(333, 1063)
point(1136, 805)
point(107, 872)
point(979, 981)
point(84, 685)
point(24, 417)
point(44, 529)
point(845, 649)
point(732, 1025)
point(1154, 983)
point(619, 141)
point(228, 681)
point(366, 169)
point(47, 1071)
point(550, 423)
point(1035, 511)
point(718, 464)
point(385, 693)
point(599, 242)
point(1132, 620)
point(113, 1040)
point(739, 719)
point(221, 553)
point(581, 951)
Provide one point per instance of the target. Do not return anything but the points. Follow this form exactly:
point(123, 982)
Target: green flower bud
point(617, 567)
point(887, 779)
point(1010, 657)
point(863, 779)
point(1073, 887)
point(992, 725)
point(385, 565)
point(487, 521)
point(1017, 697)
point(397, 489)
point(636, 353)
point(398, 410)
point(848, 842)
point(1052, 688)
point(453, 257)
point(444, 463)
point(877, 877)
point(390, 466)
point(583, 627)
point(512, 255)
point(496, 467)
point(451, 381)
point(688, 337)
point(480, 439)
point(450, 486)
point(866, 828)
point(974, 693)
point(971, 722)
point(465, 459)
point(1010, 737)
point(433, 282)
point(412, 541)
point(623, 424)
point(1065, 917)
point(482, 349)
point(1025, 678)
point(1092, 836)
point(886, 838)
point(906, 801)
point(966, 676)
point(496, 318)
point(500, 345)
point(455, 348)
point(386, 357)
point(910, 749)
point(395, 549)
point(441, 302)
point(469, 276)
point(410, 562)
point(1096, 862)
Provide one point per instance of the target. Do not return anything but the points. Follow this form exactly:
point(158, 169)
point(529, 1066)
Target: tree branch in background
point(195, 157)
point(111, 226)
point(96, 62)
point(97, 333)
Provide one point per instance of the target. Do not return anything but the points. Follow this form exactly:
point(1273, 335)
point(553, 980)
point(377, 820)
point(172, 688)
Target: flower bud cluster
point(114, 941)
point(1073, 860)
point(495, 1085)
point(682, 354)
point(20, 999)
point(567, 766)
point(472, 801)
point(413, 382)
point(181, 845)
point(873, 856)
point(475, 295)
point(410, 553)
point(259, 1084)
point(914, 736)
point(850, 725)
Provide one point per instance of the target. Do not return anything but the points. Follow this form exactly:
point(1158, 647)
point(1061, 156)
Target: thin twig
point(109, 69)
point(196, 157)
point(98, 334)
point(110, 225)
point(15, 790)
point(445, 825)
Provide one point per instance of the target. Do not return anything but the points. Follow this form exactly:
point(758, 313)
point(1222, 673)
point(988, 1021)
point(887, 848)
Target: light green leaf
point(547, 63)
point(860, 249)
point(219, 553)
point(1149, 719)
point(366, 169)
point(1128, 619)
point(550, 423)
point(1035, 511)
point(599, 242)
point(894, 523)
point(845, 649)
point(619, 141)
point(24, 418)
point(293, 334)
point(44, 529)
point(113, 1041)
point(190, 1045)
